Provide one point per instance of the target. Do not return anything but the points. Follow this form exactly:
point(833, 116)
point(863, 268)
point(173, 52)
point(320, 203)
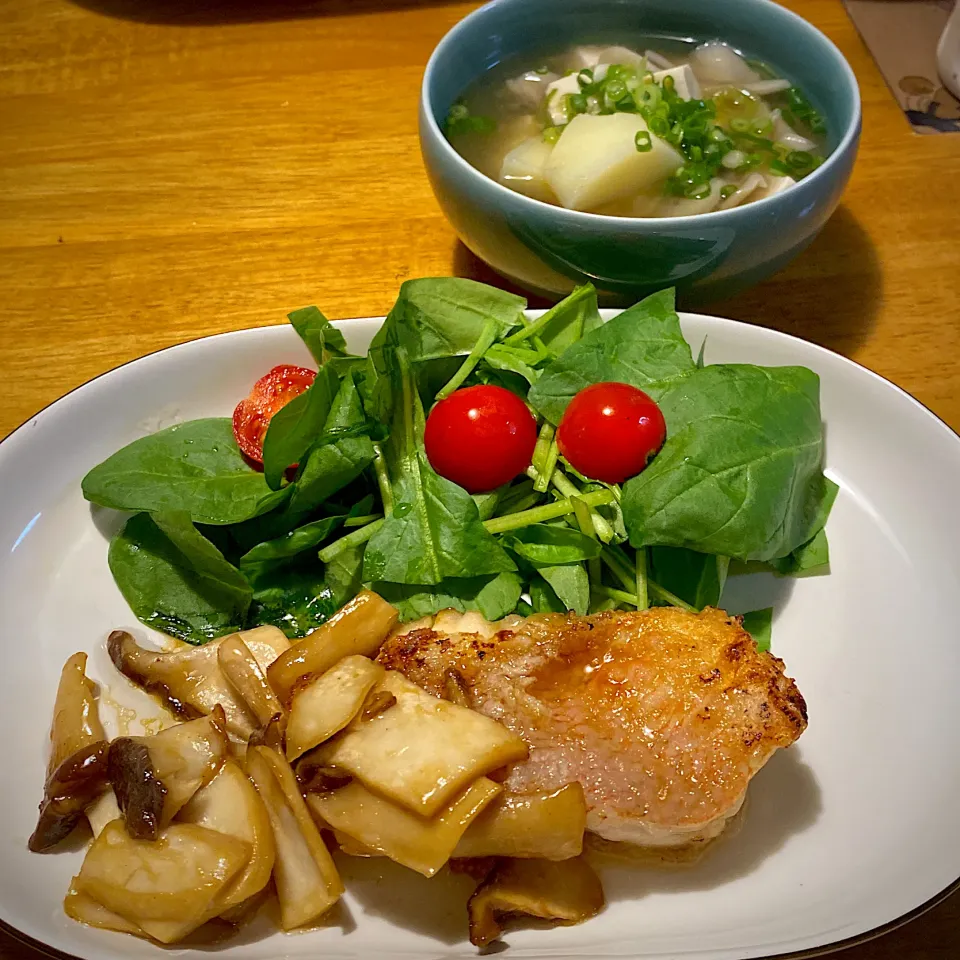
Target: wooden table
point(171, 169)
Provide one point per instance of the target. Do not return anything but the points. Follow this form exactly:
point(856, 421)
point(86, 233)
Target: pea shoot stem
point(643, 600)
point(383, 479)
point(534, 329)
point(549, 511)
point(362, 535)
point(487, 338)
point(567, 488)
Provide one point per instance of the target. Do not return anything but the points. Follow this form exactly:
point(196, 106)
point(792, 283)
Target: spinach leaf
point(298, 541)
point(759, 624)
point(435, 529)
point(815, 553)
point(487, 503)
point(344, 575)
point(549, 544)
point(543, 598)
point(570, 320)
point(194, 595)
point(698, 578)
point(571, 584)
point(322, 338)
point(504, 359)
point(329, 467)
point(739, 475)
point(342, 453)
point(297, 425)
point(493, 597)
point(195, 467)
point(642, 346)
point(812, 555)
point(434, 318)
point(293, 597)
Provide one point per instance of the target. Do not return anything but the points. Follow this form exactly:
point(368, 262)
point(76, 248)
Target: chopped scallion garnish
point(643, 142)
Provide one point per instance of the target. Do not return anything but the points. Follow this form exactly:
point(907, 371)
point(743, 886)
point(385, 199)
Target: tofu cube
point(684, 81)
point(777, 185)
point(596, 161)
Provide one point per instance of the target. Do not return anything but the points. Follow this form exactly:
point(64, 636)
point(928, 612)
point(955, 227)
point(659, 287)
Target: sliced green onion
point(739, 125)
point(552, 134)
point(658, 126)
point(642, 141)
point(728, 191)
point(799, 159)
point(669, 85)
point(542, 70)
point(648, 96)
point(577, 102)
point(615, 89)
point(697, 191)
point(584, 78)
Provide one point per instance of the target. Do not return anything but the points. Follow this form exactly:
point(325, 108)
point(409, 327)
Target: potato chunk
point(307, 880)
point(547, 826)
point(326, 704)
point(596, 161)
point(523, 168)
point(422, 751)
point(165, 887)
point(566, 891)
point(230, 804)
point(358, 627)
point(384, 827)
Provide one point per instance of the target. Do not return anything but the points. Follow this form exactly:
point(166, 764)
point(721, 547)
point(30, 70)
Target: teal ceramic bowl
point(547, 249)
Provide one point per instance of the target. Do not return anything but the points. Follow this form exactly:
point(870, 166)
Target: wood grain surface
point(176, 168)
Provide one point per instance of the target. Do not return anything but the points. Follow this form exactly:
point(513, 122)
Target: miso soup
point(636, 132)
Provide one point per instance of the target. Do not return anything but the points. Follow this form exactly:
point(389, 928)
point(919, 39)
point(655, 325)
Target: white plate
point(847, 833)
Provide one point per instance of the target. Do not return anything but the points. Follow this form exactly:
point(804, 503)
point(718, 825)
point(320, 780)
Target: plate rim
point(846, 362)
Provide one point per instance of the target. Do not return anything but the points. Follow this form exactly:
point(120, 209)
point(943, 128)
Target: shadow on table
point(830, 294)
point(209, 12)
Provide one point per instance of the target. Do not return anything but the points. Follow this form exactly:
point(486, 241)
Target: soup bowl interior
point(549, 249)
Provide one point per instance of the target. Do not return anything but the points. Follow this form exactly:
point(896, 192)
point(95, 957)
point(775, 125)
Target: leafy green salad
point(347, 497)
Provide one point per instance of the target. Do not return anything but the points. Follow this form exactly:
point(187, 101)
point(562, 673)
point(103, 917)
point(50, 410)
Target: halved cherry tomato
point(480, 437)
point(610, 431)
point(271, 392)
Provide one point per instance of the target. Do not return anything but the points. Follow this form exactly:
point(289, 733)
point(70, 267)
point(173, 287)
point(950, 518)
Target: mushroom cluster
point(284, 753)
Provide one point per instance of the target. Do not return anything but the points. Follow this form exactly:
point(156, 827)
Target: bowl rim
point(449, 41)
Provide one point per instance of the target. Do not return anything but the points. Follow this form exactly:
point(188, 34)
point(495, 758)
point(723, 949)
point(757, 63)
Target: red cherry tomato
point(610, 431)
point(271, 392)
point(480, 437)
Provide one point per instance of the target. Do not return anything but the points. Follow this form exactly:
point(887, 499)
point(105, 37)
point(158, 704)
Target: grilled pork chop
point(663, 716)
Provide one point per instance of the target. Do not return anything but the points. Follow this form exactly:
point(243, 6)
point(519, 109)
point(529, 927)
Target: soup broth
point(657, 129)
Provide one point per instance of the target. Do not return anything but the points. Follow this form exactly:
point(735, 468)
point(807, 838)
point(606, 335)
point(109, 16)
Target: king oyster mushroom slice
point(190, 680)
point(155, 777)
point(564, 891)
point(77, 765)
